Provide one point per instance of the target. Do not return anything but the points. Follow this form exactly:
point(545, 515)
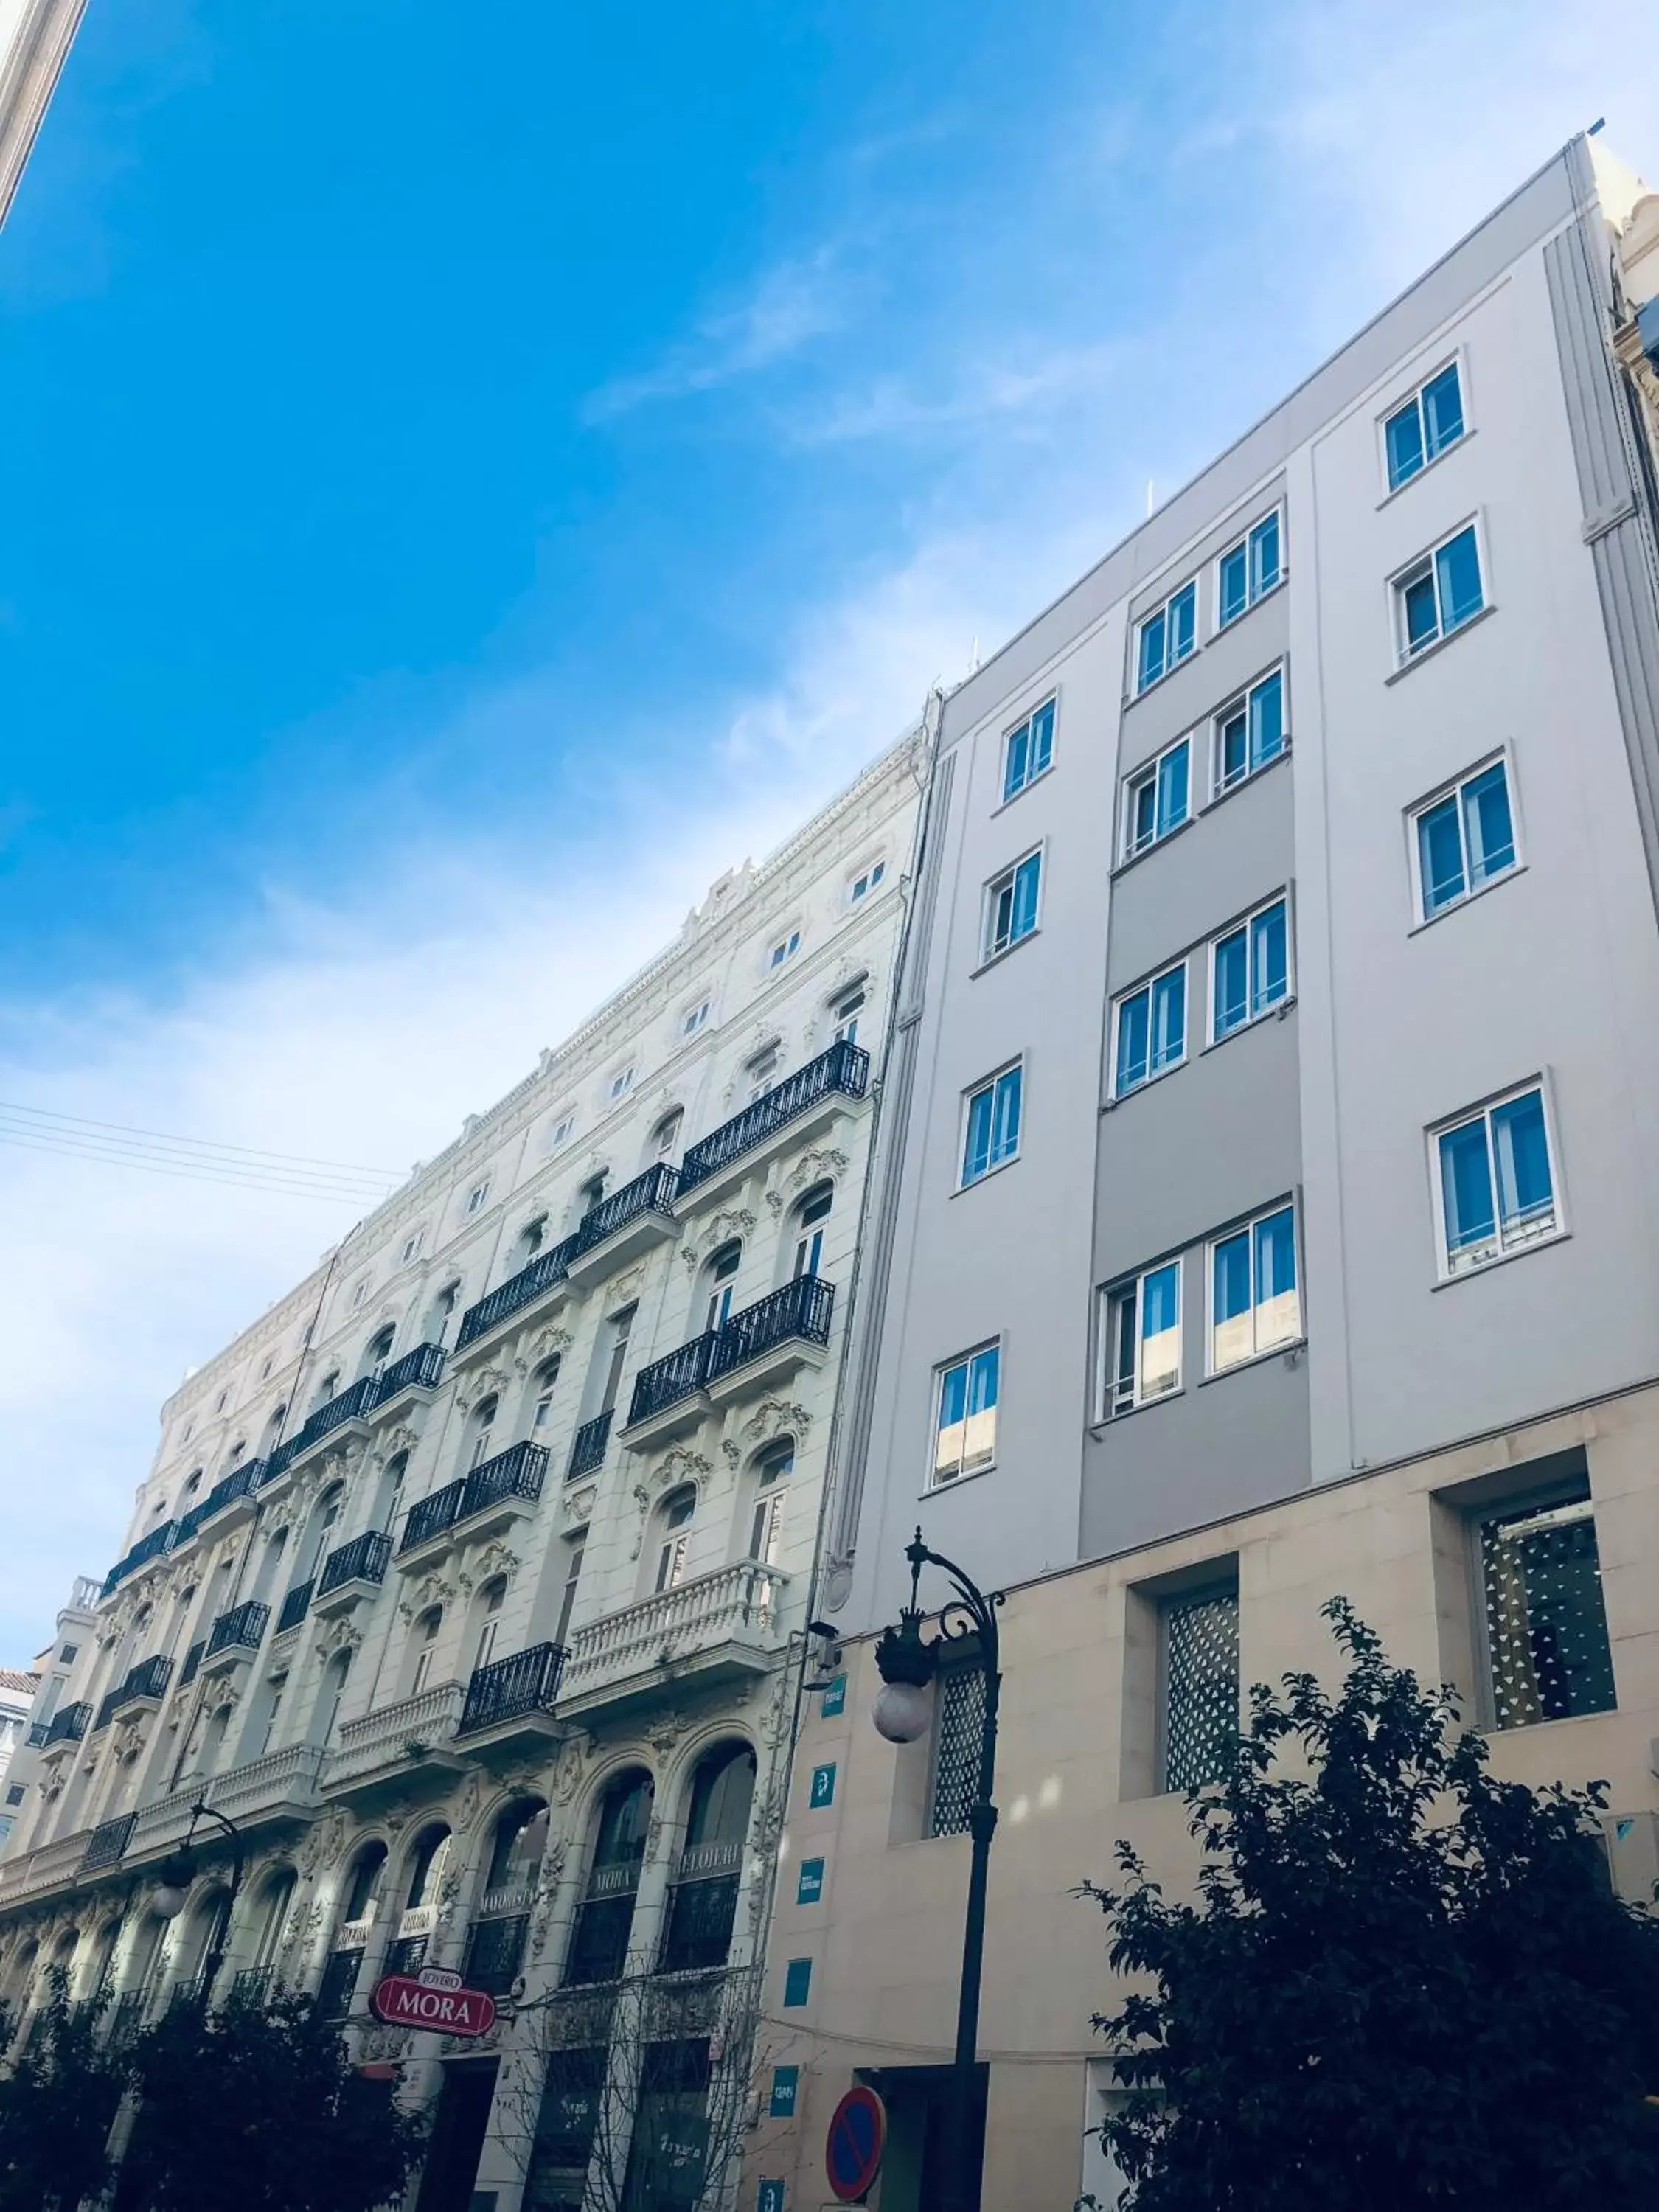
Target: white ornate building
point(470, 1583)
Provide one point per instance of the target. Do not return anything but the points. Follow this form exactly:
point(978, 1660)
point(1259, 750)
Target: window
point(1141, 1345)
point(1255, 1306)
point(772, 1470)
point(622, 1083)
point(562, 1129)
point(694, 1018)
point(809, 1216)
point(1249, 970)
point(575, 1546)
point(489, 1623)
point(223, 1398)
point(1250, 731)
point(845, 1013)
point(667, 1134)
point(675, 1519)
point(785, 949)
point(1497, 1186)
point(959, 1727)
point(1420, 431)
point(1156, 798)
point(359, 1293)
point(483, 1422)
point(1547, 1629)
point(1248, 571)
point(412, 1247)
point(265, 1366)
point(759, 1072)
point(621, 1328)
point(1150, 1031)
point(1011, 904)
point(425, 1640)
point(69, 1654)
point(1164, 639)
point(15, 1794)
point(965, 1438)
point(721, 1274)
point(869, 881)
point(1198, 1640)
point(1437, 594)
point(546, 1376)
point(1464, 840)
point(530, 1240)
point(991, 1131)
point(1028, 752)
point(477, 1196)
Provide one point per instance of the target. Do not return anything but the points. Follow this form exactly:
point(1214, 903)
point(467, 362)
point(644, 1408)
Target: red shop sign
point(403, 2001)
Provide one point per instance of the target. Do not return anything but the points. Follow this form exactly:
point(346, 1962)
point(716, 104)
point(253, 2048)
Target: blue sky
point(475, 474)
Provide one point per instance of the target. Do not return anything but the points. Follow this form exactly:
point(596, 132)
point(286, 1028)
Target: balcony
point(710, 1630)
point(486, 1502)
point(348, 1409)
point(37, 1737)
point(281, 1786)
point(419, 1372)
point(494, 1953)
point(605, 1920)
point(66, 1728)
point(107, 1844)
point(383, 1752)
point(165, 1821)
point(339, 1984)
point(146, 1549)
point(791, 1112)
point(53, 1863)
point(355, 1570)
point(763, 1345)
point(295, 1608)
point(231, 1501)
point(545, 1273)
point(587, 1446)
point(145, 1685)
point(511, 1698)
point(235, 1635)
point(625, 1226)
point(702, 1907)
point(192, 1666)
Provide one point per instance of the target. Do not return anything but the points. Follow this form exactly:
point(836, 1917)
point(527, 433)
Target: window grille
point(959, 1732)
point(1201, 1687)
point(1546, 1629)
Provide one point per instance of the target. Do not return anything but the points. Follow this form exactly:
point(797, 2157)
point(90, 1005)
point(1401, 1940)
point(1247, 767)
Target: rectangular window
point(1140, 1347)
point(1149, 1031)
point(959, 1731)
point(1248, 571)
point(1437, 594)
point(1011, 904)
point(1547, 1629)
point(1254, 1305)
point(1198, 1644)
point(1464, 840)
point(562, 1129)
point(1431, 420)
point(412, 1246)
point(965, 1438)
point(1157, 798)
point(476, 1197)
point(622, 1083)
point(694, 1018)
point(991, 1131)
point(1028, 752)
point(845, 1011)
point(870, 880)
point(1249, 970)
point(785, 949)
point(1164, 639)
point(1249, 731)
point(1497, 1183)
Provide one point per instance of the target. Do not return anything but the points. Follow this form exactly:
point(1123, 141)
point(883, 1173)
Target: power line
point(195, 1144)
point(194, 1159)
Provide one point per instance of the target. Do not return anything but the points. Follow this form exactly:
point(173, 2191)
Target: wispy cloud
point(1006, 393)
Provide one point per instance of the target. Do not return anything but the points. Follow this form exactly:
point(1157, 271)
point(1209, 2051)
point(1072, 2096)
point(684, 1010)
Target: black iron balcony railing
point(191, 1666)
point(800, 1310)
point(346, 1404)
point(38, 1733)
point(125, 2015)
point(240, 1629)
point(338, 1985)
point(587, 1446)
point(494, 1953)
point(190, 1522)
point(148, 1548)
point(237, 1484)
point(277, 1458)
point(650, 1193)
point(251, 1985)
point(148, 1678)
point(108, 1842)
point(68, 1724)
point(364, 1559)
point(295, 1608)
point(406, 1955)
point(845, 1068)
point(546, 1270)
point(528, 1682)
point(598, 1942)
point(422, 1369)
point(697, 1934)
point(516, 1473)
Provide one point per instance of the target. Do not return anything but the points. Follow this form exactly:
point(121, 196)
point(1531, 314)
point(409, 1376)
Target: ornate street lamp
point(907, 1664)
point(178, 1871)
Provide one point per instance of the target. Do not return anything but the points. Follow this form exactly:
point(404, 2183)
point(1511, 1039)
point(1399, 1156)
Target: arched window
point(101, 1982)
point(327, 1389)
point(541, 1383)
point(363, 1890)
point(204, 1944)
point(21, 1976)
point(269, 1712)
point(273, 1909)
point(674, 1517)
point(531, 1238)
point(773, 1469)
point(487, 1619)
point(329, 1696)
point(495, 1948)
point(719, 1277)
point(598, 1942)
point(378, 1350)
point(192, 1486)
point(422, 1644)
point(480, 1428)
point(213, 1741)
point(591, 1193)
point(761, 1072)
point(844, 1012)
point(274, 1421)
point(665, 1137)
point(270, 1560)
point(389, 1492)
point(427, 1866)
point(440, 1311)
point(320, 1533)
point(233, 1456)
point(809, 1216)
point(63, 1962)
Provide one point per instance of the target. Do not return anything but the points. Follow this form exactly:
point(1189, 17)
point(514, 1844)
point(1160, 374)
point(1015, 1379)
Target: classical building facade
point(1266, 1202)
point(470, 1583)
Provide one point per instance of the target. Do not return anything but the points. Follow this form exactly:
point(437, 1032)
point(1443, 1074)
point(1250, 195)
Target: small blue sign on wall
point(797, 1981)
point(835, 1698)
point(770, 2198)
point(822, 1792)
point(809, 1890)
point(785, 2079)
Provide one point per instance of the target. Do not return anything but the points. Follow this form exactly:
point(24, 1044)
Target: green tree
point(256, 2107)
point(1403, 1984)
point(59, 2098)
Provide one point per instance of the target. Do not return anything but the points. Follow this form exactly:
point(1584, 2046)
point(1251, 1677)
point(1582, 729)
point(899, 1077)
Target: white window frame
point(1149, 983)
point(1224, 714)
point(989, 1082)
point(1426, 562)
point(1143, 623)
point(783, 951)
point(845, 1012)
point(1253, 595)
point(1112, 1296)
point(478, 1198)
point(622, 1083)
point(411, 1252)
point(1149, 772)
point(1032, 775)
point(1484, 1110)
point(694, 1019)
point(1004, 878)
point(563, 1129)
point(1248, 1226)
point(1453, 789)
point(1413, 398)
point(1286, 998)
point(868, 880)
point(935, 1481)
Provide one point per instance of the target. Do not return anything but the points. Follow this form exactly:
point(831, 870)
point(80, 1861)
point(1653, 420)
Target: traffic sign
point(857, 2137)
point(409, 2001)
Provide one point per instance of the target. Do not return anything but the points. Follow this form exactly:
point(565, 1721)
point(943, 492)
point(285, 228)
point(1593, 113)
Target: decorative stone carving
point(431, 1589)
point(575, 1756)
point(731, 1222)
point(402, 1438)
point(495, 1558)
point(815, 1167)
point(381, 2043)
point(642, 1502)
point(465, 1809)
point(665, 1731)
point(773, 1418)
point(340, 1634)
point(578, 1504)
point(488, 1381)
point(545, 1342)
point(322, 1846)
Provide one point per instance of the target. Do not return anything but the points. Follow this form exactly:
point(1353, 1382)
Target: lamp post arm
point(215, 1959)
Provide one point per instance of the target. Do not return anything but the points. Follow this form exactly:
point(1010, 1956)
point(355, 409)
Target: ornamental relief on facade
point(340, 1634)
point(430, 1590)
point(472, 1389)
point(496, 1559)
point(732, 1222)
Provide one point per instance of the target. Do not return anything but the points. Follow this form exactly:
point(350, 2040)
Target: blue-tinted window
point(1251, 969)
point(992, 1129)
point(1143, 1339)
point(797, 1981)
point(1157, 798)
point(967, 1437)
point(1011, 907)
point(1151, 1029)
point(1247, 570)
point(1254, 1305)
point(1465, 840)
point(1167, 637)
point(1028, 751)
point(1440, 593)
point(1430, 421)
point(1250, 731)
point(1496, 1185)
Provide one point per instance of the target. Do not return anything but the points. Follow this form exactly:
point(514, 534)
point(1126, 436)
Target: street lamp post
point(907, 1665)
point(178, 1872)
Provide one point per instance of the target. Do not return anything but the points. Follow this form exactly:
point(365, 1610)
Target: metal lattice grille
point(1545, 1627)
point(1201, 1687)
point(957, 1737)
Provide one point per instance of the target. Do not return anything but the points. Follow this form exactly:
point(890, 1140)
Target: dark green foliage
point(1405, 1984)
point(58, 2100)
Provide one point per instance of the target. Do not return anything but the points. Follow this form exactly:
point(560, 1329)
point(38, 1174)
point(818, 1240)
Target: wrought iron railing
point(191, 1666)
point(528, 1682)
point(422, 1369)
point(845, 1068)
point(68, 1724)
point(148, 1678)
point(237, 1484)
point(364, 1559)
point(598, 1942)
point(406, 1954)
point(802, 1309)
point(679, 1375)
point(650, 1193)
point(546, 1270)
point(250, 1985)
point(516, 1473)
point(125, 2015)
point(38, 1733)
point(107, 1842)
point(495, 1953)
point(338, 1985)
point(295, 1608)
point(697, 1932)
point(276, 1460)
point(190, 1522)
point(346, 1404)
point(148, 1548)
point(242, 1628)
point(587, 1446)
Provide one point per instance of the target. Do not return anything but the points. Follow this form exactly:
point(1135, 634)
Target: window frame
point(1246, 1224)
point(1191, 1593)
point(477, 1199)
point(943, 1369)
point(1483, 1110)
point(780, 954)
point(1454, 787)
point(1426, 563)
point(1240, 697)
point(620, 1085)
point(411, 1253)
point(1244, 543)
point(1149, 984)
point(1111, 1300)
point(1413, 399)
point(1149, 772)
point(1571, 1494)
point(989, 1084)
point(1245, 922)
point(1050, 702)
point(866, 881)
point(1140, 686)
point(988, 950)
point(694, 1019)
